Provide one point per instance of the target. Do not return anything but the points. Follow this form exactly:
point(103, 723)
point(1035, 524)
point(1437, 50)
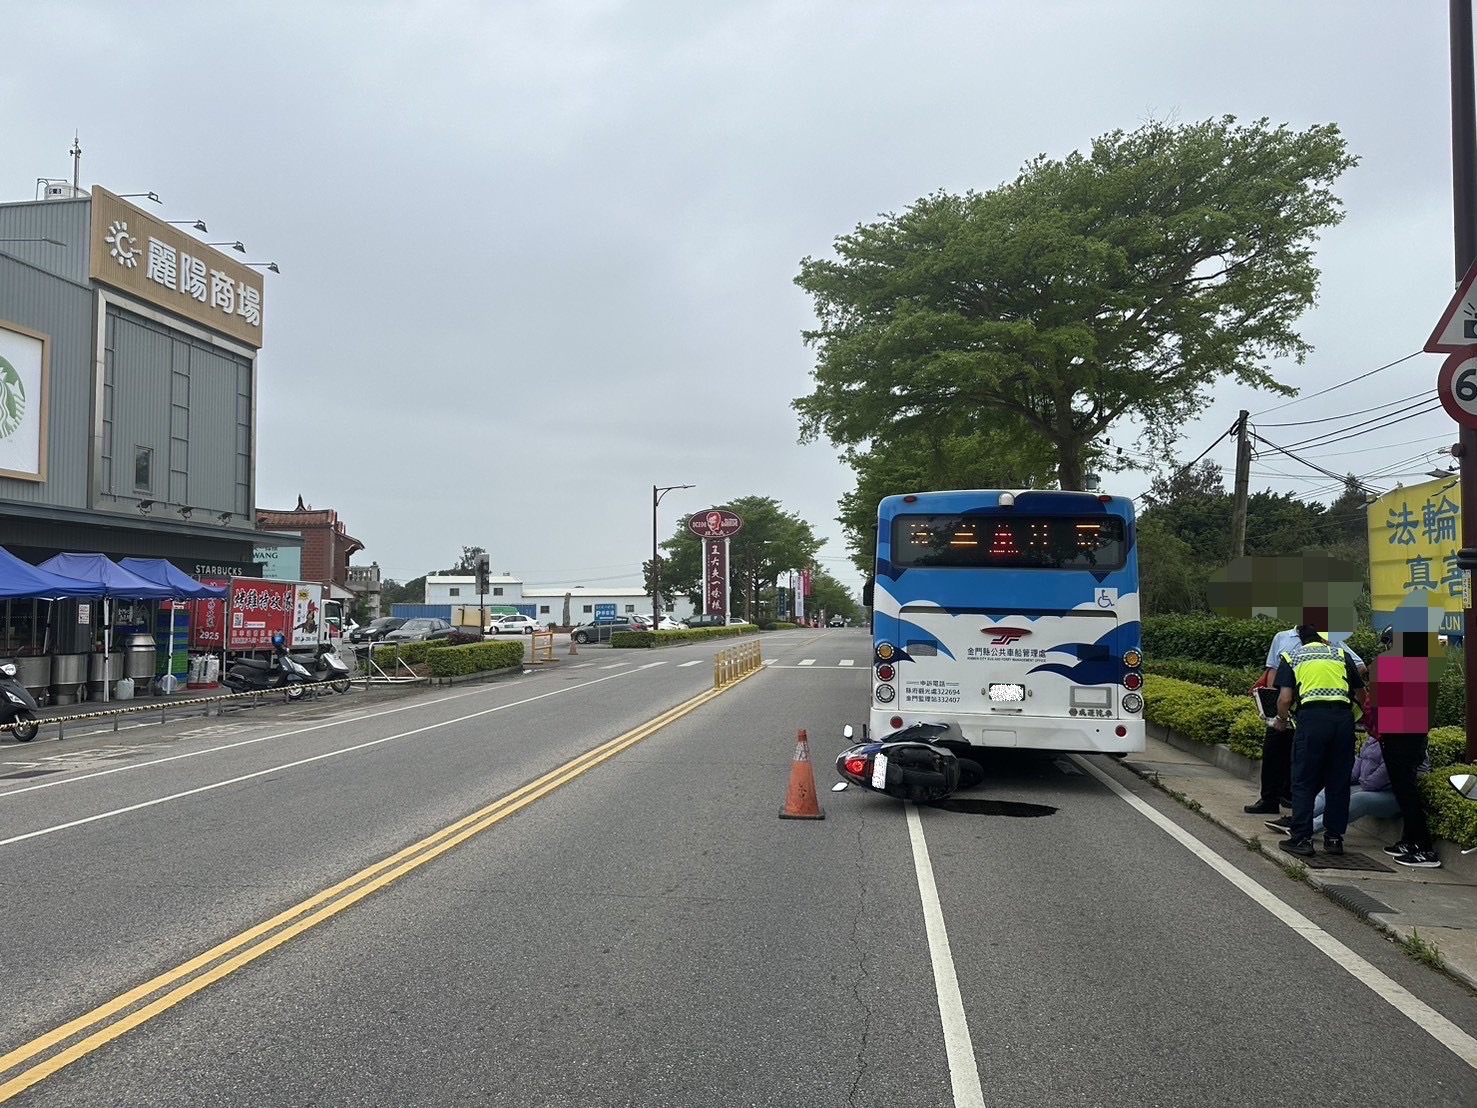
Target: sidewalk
point(1440, 906)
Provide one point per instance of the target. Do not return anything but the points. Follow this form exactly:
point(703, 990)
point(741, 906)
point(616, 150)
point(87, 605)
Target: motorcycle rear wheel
point(25, 730)
point(341, 686)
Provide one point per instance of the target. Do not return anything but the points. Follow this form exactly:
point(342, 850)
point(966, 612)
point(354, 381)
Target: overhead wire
point(1328, 438)
point(1350, 415)
point(1340, 385)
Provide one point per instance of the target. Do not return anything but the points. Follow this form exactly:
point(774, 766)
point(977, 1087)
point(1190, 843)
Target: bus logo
point(1004, 636)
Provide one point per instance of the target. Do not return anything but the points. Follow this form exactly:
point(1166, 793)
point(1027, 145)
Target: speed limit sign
point(1456, 384)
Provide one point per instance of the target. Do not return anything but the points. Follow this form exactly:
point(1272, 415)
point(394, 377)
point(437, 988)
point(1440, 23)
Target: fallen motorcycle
point(916, 764)
point(17, 705)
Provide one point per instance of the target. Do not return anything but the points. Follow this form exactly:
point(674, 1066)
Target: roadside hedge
point(642, 639)
point(1232, 680)
point(477, 657)
point(1239, 643)
point(1452, 816)
point(1204, 715)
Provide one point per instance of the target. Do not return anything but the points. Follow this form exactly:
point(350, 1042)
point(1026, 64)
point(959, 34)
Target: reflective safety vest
point(1320, 672)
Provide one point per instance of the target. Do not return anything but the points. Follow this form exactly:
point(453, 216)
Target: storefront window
point(22, 626)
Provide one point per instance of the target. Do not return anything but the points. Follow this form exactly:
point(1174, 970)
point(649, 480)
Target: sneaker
point(1261, 808)
point(1395, 850)
point(1332, 844)
point(1419, 859)
point(1282, 826)
point(1301, 847)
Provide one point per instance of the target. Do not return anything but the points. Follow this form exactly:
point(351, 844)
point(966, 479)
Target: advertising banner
point(259, 609)
point(715, 576)
point(208, 618)
point(1414, 535)
point(23, 382)
point(307, 612)
point(715, 523)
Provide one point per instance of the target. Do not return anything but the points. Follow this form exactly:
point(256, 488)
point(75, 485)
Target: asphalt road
point(644, 930)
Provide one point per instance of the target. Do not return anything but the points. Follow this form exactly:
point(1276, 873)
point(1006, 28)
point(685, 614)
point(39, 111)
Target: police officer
point(1325, 683)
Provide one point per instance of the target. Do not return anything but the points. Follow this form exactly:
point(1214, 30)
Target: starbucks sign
point(23, 381)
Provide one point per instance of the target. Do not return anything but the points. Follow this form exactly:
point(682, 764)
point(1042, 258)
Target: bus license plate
point(1004, 693)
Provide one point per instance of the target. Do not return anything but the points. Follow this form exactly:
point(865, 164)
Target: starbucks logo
point(12, 400)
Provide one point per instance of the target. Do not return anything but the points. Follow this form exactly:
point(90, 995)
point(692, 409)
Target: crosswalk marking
point(694, 662)
point(807, 661)
point(769, 661)
point(582, 665)
point(847, 662)
point(615, 665)
point(651, 665)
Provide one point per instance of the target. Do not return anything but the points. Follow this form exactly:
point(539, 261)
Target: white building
point(582, 603)
point(457, 590)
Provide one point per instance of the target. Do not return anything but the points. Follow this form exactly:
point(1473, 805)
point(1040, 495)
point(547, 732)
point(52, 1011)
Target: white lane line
point(958, 1048)
point(769, 661)
point(694, 662)
point(1409, 1005)
point(300, 762)
point(615, 665)
point(807, 661)
point(847, 662)
point(651, 665)
point(582, 665)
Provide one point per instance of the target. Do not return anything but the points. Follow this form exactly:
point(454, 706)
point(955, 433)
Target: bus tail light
point(1120, 730)
point(1133, 703)
point(896, 723)
point(1133, 680)
point(885, 672)
point(1132, 659)
point(885, 694)
point(885, 651)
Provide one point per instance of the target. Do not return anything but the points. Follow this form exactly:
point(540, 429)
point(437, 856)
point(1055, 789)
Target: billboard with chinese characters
point(165, 266)
point(715, 523)
point(259, 610)
point(1414, 535)
point(208, 618)
point(307, 611)
point(23, 385)
point(715, 577)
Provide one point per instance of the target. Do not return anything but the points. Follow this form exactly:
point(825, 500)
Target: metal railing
point(736, 662)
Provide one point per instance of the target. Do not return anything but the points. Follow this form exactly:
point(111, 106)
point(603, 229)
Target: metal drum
point(68, 678)
point(140, 653)
point(99, 683)
point(34, 672)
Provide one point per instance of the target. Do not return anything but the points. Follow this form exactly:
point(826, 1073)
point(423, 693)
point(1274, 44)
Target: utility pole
point(1243, 479)
point(1464, 234)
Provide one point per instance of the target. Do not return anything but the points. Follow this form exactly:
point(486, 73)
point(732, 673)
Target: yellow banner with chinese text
point(1414, 534)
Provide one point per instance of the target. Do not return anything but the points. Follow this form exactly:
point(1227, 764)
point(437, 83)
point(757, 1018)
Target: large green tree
point(829, 597)
point(773, 541)
point(1113, 284)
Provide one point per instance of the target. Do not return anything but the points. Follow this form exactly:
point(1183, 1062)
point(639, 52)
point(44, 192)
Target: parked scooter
point(281, 672)
point(1466, 784)
point(916, 764)
point(326, 668)
point(17, 705)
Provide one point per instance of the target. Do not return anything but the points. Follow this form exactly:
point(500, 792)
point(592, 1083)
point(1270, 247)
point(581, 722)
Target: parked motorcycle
point(916, 763)
point(17, 705)
point(326, 668)
point(1466, 784)
point(280, 672)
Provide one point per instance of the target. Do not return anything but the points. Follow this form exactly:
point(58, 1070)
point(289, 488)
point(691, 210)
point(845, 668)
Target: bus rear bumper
point(1060, 735)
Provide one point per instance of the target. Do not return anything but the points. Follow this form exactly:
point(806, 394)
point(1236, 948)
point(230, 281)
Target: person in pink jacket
point(1369, 791)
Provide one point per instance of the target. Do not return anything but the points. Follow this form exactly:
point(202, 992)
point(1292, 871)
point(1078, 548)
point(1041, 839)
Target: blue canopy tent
point(22, 581)
point(115, 583)
point(164, 573)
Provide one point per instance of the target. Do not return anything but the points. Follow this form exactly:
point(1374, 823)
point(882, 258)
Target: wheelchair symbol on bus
point(1107, 598)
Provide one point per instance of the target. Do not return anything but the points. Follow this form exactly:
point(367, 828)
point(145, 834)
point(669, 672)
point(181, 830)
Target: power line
point(1341, 384)
point(1349, 433)
point(1350, 415)
point(1365, 450)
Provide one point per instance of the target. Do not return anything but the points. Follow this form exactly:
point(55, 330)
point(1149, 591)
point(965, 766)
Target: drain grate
point(1356, 900)
point(23, 774)
point(1345, 861)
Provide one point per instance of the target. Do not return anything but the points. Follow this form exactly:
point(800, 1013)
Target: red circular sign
point(715, 523)
point(1456, 384)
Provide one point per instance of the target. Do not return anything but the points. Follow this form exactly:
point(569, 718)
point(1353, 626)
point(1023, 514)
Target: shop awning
point(107, 577)
point(160, 572)
point(21, 580)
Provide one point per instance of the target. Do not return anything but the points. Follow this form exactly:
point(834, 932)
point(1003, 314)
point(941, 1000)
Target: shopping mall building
point(128, 387)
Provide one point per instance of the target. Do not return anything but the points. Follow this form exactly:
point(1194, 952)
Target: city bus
point(1012, 616)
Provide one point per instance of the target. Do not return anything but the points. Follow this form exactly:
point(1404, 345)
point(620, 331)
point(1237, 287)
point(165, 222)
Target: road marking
point(582, 665)
point(694, 662)
point(770, 661)
point(958, 1048)
point(653, 665)
point(615, 665)
point(847, 662)
point(290, 765)
point(256, 941)
point(807, 661)
point(1409, 1005)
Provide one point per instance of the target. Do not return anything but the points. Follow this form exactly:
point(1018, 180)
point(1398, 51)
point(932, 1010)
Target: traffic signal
point(483, 561)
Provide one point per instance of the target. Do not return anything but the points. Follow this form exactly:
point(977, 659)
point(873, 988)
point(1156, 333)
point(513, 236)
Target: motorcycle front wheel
point(25, 729)
point(295, 692)
point(341, 686)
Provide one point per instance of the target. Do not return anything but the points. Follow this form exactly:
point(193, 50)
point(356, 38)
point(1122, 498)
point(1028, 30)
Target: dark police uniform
point(1325, 679)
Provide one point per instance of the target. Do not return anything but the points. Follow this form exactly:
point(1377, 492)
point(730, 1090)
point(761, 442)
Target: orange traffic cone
point(800, 801)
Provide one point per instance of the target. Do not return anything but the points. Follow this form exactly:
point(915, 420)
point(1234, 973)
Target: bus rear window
point(1009, 541)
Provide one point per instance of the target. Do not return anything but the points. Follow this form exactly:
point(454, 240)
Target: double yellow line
point(170, 988)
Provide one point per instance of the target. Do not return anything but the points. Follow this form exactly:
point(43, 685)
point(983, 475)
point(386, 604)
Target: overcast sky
point(537, 257)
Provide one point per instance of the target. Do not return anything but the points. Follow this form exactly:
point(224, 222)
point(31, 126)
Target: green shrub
point(477, 657)
point(1447, 746)
point(640, 639)
point(1203, 715)
point(1453, 816)
point(1233, 680)
point(1206, 638)
point(781, 626)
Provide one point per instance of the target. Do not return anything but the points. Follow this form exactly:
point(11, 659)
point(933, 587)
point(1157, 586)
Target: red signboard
point(715, 523)
point(260, 608)
point(715, 577)
point(208, 618)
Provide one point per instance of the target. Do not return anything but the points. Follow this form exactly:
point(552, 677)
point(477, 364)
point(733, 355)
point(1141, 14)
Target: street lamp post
point(656, 566)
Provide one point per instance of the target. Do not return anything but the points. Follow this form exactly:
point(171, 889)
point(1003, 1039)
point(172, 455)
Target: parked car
point(601, 630)
point(640, 622)
point(669, 624)
point(513, 625)
point(704, 621)
point(419, 630)
point(376, 630)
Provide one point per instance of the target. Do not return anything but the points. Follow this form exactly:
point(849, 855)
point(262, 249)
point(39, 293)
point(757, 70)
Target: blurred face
point(1405, 681)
